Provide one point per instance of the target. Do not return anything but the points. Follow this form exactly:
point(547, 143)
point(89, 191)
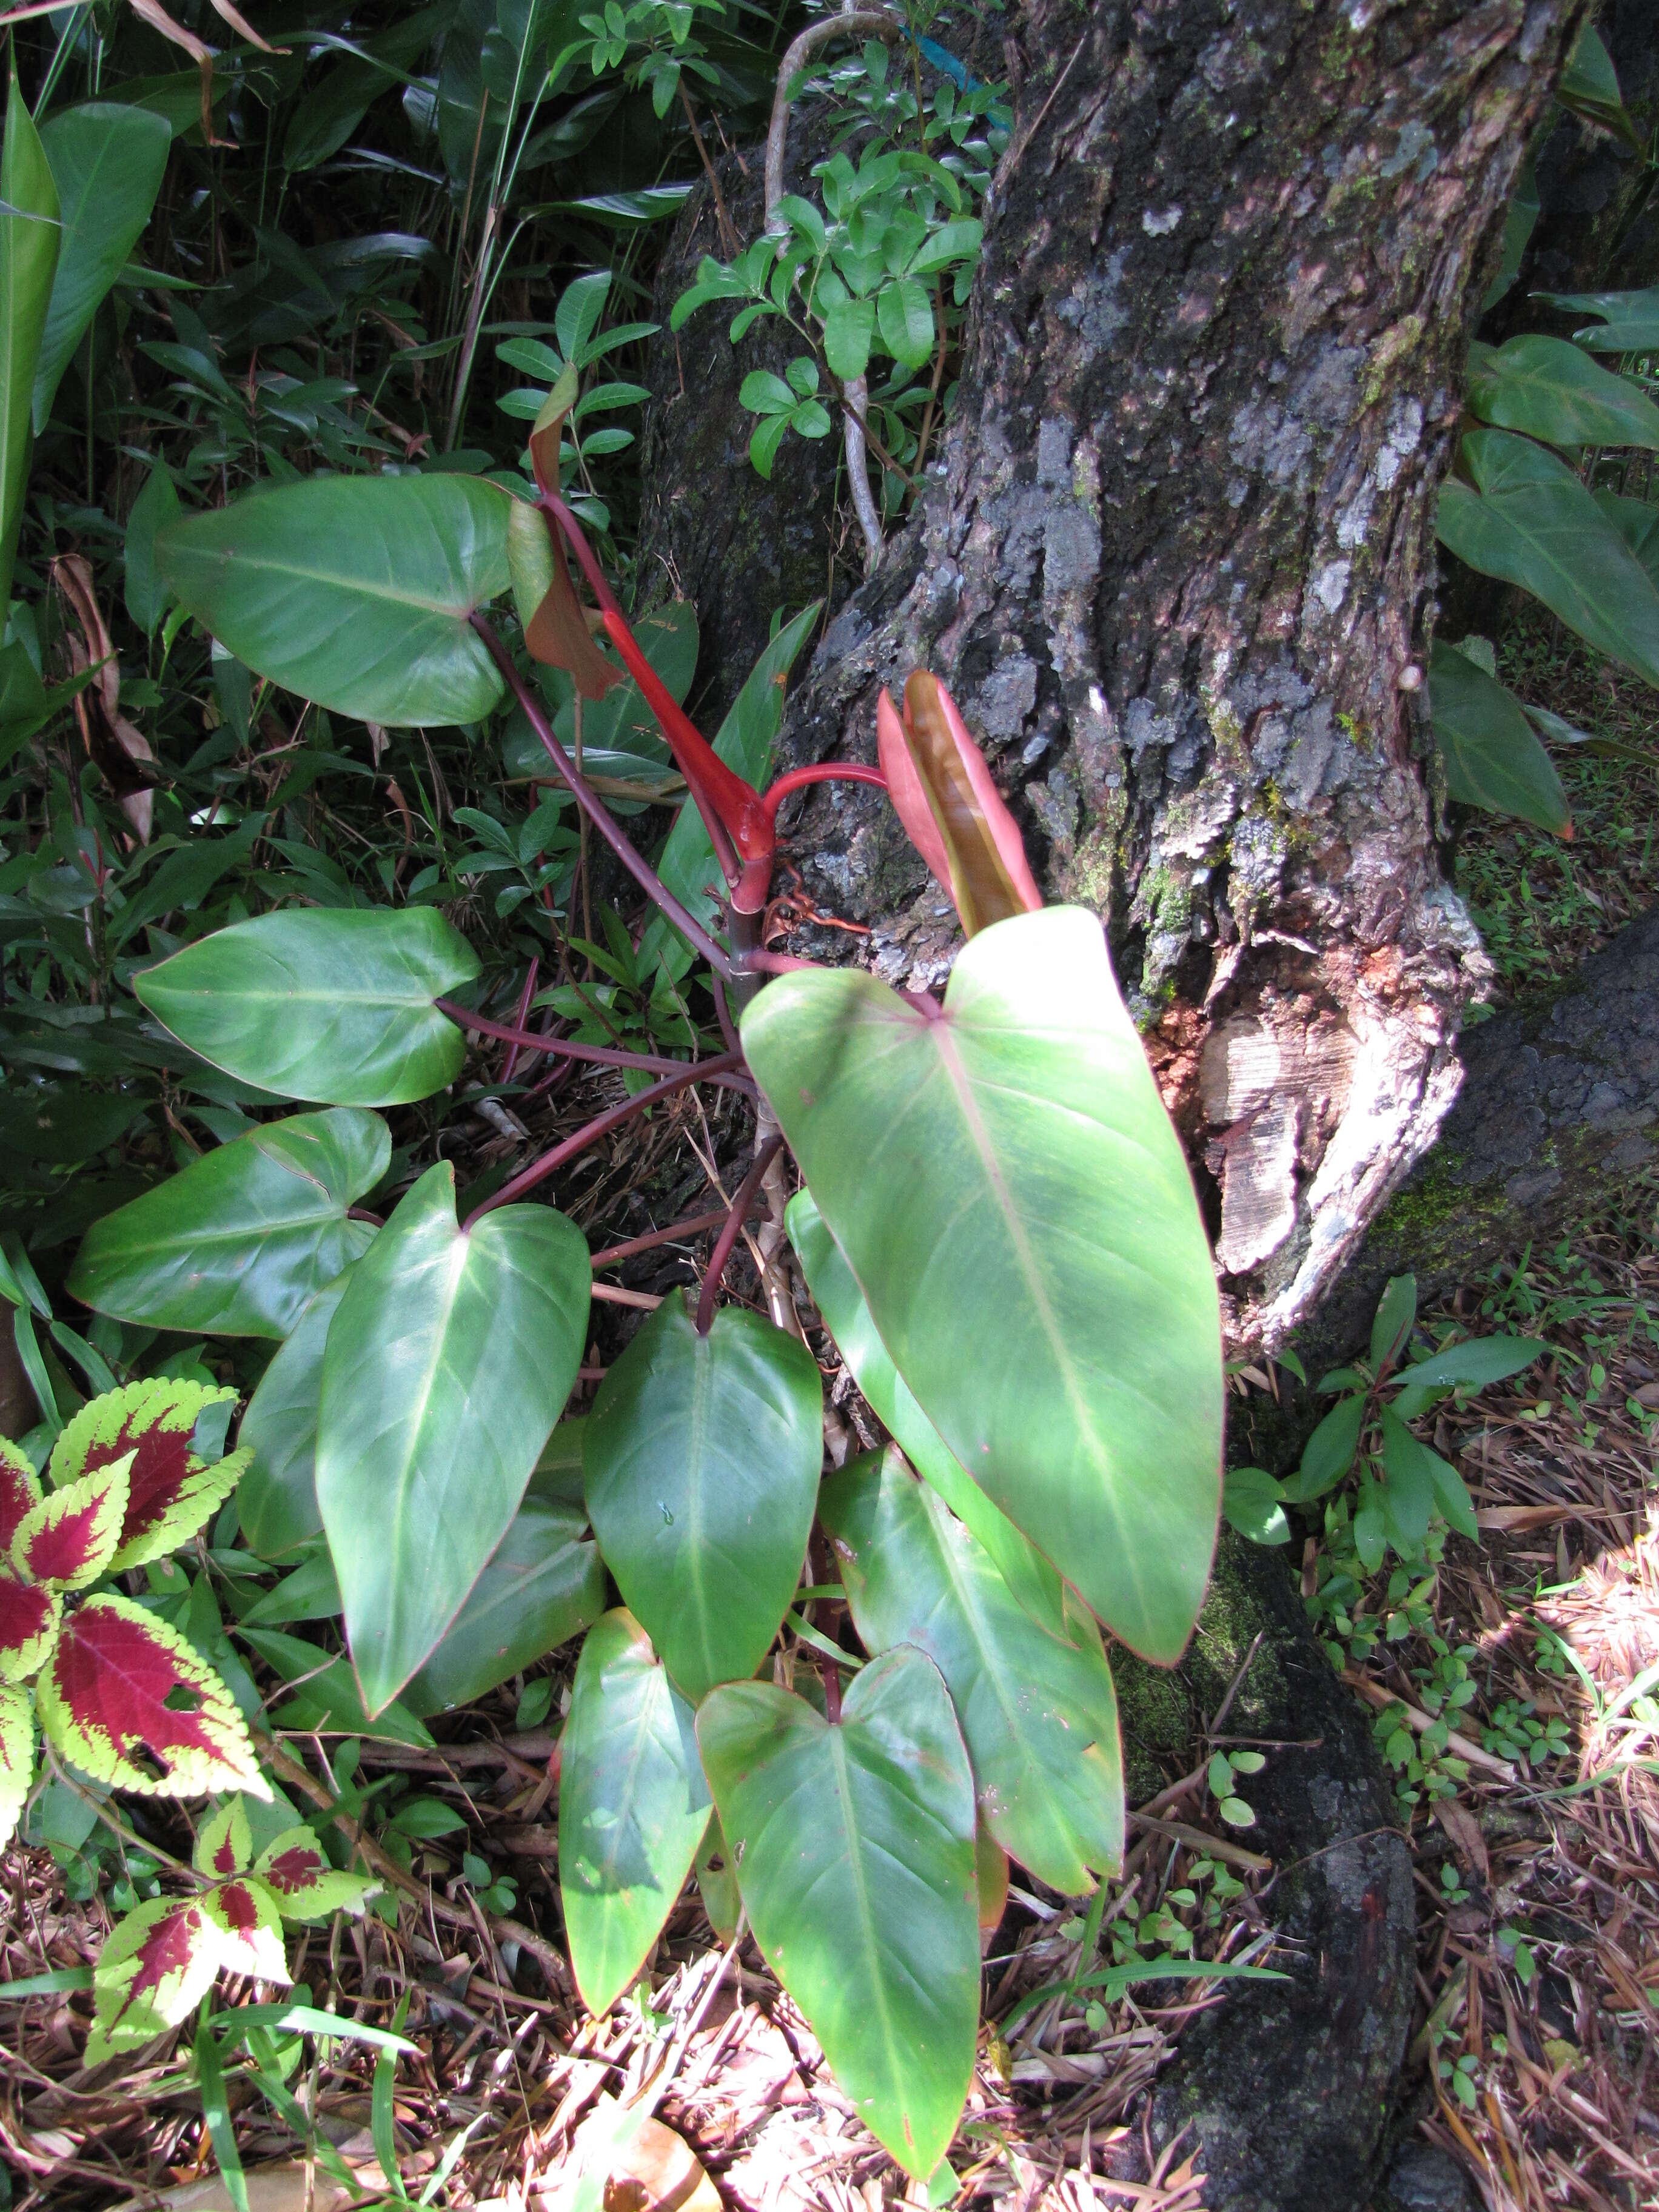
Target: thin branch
point(855, 397)
point(722, 1070)
point(729, 240)
point(643, 874)
point(748, 1191)
point(852, 22)
point(530, 1040)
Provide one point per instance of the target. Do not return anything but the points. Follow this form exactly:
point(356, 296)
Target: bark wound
point(1179, 555)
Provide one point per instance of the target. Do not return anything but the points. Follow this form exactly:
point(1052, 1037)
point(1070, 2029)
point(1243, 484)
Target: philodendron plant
point(993, 1216)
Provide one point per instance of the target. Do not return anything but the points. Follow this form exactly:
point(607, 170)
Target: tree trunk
point(1176, 566)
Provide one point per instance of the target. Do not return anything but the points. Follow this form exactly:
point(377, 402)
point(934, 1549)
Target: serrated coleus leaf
point(121, 1687)
point(16, 1756)
point(171, 1490)
point(305, 1887)
point(70, 1538)
point(225, 1843)
point(29, 1620)
point(248, 1924)
point(20, 1491)
point(157, 1966)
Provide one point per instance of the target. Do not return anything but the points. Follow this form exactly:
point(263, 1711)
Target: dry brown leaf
point(278, 2187)
point(1461, 1825)
point(659, 2173)
point(122, 754)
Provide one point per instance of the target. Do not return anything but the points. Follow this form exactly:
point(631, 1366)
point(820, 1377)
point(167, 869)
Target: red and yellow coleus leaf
point(20, 1491)
point(952, 811)
point(305, 1887)
point(29, 1620)
point(244, 1916)
point(70, 1538)
point(132, 1704)
point(171, 1490)
point(156, 1966)
point(225, 1843)
point(16, 1755)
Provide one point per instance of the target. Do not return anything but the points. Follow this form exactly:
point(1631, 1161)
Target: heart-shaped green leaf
point(855, 1844)
point(702, 1458)
point(1012, 1199)
point(1492, 756)
point(1039, 1716)
point(353, 591)
point(1551, 389)
point(240, 1242)
point(1035, 1583)
point(633, 1807)
point(276, 1500)
point(328, 1003)
point(542, 1585)
point(448, 1361)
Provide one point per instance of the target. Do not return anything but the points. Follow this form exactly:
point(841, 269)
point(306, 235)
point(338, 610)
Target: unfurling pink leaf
point(156, 1966)
point(225, 1843)
point(171, 1489)
point(20, 1491)
point(305, 1887)
point(904, 788)
point(132, 1704)
point(30, 1619)
point(244, 1916)
point(16, 1755)
point(955, 816)
point(70, 1538)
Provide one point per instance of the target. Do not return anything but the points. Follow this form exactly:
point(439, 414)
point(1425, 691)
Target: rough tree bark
point(1176, 565)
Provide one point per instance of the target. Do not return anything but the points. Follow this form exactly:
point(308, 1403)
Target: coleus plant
point(995, 1219)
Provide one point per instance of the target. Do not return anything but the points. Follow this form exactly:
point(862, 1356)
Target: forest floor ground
point(1533, 2059)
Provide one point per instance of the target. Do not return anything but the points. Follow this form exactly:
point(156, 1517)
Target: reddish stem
point(614, 1253)
point(832, 1692)
point(826, 772)
point(722, 1070)
point(747, 1192)
point(514, 1048)
point(527, 1041)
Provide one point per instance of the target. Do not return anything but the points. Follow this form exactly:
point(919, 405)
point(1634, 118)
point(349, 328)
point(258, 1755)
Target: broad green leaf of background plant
point(333, 1004)
point(1014, 1203)
point(633, 1807)
point(702, 1458)
point(1588, 85)
point(542, 1585)
point(1493, 754)
point(1637, 521)
point(1252, 1502)
point(276, 1501)
point(1629, 320)
point(1551, 389)
point(353, 591)
point(1039, 1718)
point(620, 736)
point(1033, 1580)
point(688, 865)
point(156, 506)
point(28, 256)
point(108, 163)
point(855, 1845)
point(1473, 1364)
point(325, 1699)
point(1528, 520)
point(240, 1240)
point(449, 1359)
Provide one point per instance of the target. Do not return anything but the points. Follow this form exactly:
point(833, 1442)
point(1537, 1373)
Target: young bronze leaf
point(29, 1620)
point(20, 1491)
point(293, 1868)
point(931, 755)
point(245, 1917)
point(156, 1966)
point(16, 1755)
point(556, 631)
point(225, 1842)
point(171, 1490)
point(70, 1538)
point(128, 1700)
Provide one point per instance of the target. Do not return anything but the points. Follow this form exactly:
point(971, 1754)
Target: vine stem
point(643, 874)
point(529, 1041)
point(527, 999)
point(720, 1070)
point(748, 1191)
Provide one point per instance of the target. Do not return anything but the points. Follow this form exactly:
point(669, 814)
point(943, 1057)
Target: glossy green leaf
point(1329, 1453)
point(276, 1499)
point(1519, 223)
point(1033, 1580)
point(1551, 389)
point(1526, 517)
point(28, 256)
point(1637, 521)
point(1471, 1366)
point(448, 1361)
point(1039, 1716)
point(1588, 85)
point(633, 1807)
point(717, 1881)
point(108, 163)
point(1408, 1491)
point(332, 1003)
point(353, 591)
point(904, 316)
point(241, 1241)
point(1014, 1203)
point(855, 1859)
point(1392, 1323)
point(1252, 1502)
point(1493, 755)
point(848, 328)
point(156, 506)
point(702, 1457)
point(688, 865)
point(326, 1696)
point(542, 1585)
point(1629, 320)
